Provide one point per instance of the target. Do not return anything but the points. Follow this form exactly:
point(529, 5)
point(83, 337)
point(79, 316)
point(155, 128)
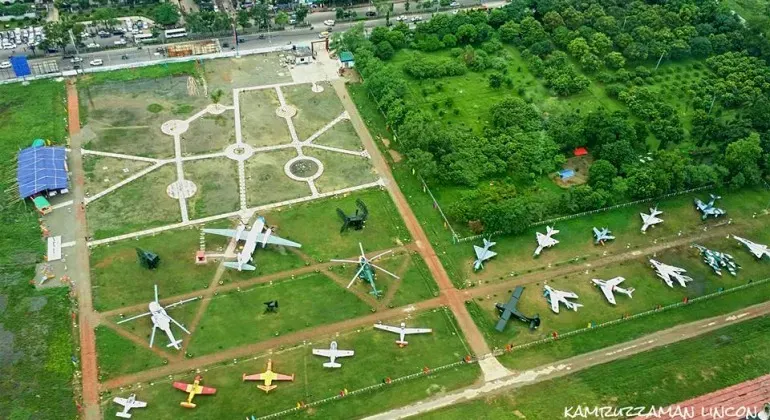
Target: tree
point(406, 5)
point(601, 44)
point(466, 34)
point(495, 80)
point(742, 157)
point(509, 32)
point(384, 50)
point(166, 14)
point(578, 48)
point(56, 34)
point(339, 13)
point(281, 18)
point(301, 12)
point(216, 96)
point(601, 175)
point(244, 20)
point(614, 60)
point(514, 112)
point(261, 15)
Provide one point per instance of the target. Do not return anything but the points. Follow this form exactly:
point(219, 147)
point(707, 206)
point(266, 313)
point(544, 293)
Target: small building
point(42, 171)
point(580, 151)
point(346, 59)
point(303, 55)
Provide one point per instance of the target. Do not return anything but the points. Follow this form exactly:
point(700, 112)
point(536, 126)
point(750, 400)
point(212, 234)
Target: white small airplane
point(128, 404)
point(557, 296)
point(332, 353)
point(651, 219)
point(669, 273)
point(160, 319)
point(545, 241)
point(758, 250)
point(402, 331)
point(610, 286)
point(252, 237)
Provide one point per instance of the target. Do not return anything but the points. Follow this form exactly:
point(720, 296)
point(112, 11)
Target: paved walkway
point(80, 266)
point(578, 363)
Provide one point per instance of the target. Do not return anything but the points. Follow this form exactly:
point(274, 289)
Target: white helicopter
point(160, 319)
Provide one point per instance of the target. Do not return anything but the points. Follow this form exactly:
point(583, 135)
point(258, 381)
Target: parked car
point(96, 62)
point(329, 22)
point(416, 18)
point(9, 46)
point(401, 18)
point(93, 45)
point(76, 60)
point(5, 65)
point(120, 42)
point(455, 4)
point(323, 35)
point(371, 13)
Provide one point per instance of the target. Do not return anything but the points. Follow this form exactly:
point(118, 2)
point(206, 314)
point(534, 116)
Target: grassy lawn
point(376, 358)
point(716, 360)
point(416, 284)
point(119, 356)
point(266, 181)
point(259, 123)
point(188, 68)
point(209, 133)
point(314, 110)
point(217, 181)
point(341, 170)
point(118, 280)
point(138, 205)
point(245, 71)
point(102, 172)
point(243, 311)
point(35, 328)
point(341, 135)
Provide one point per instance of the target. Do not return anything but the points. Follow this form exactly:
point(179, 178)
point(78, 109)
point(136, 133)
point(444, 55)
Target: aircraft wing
point(570, 295)
point(324, 352)
point(183, 386)
point(230, 233)
point(205, 390)
point(607, 290)
point(390, 328)
point(489, 254)
point(282, 377)
point(121, 401)
point(479, 251)
point(255, 377)
point(615, 281)
point(555, 304)
point(276, 240)
point(417, 330)
point(138, 404)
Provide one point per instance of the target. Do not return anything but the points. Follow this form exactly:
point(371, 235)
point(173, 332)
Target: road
point(134, 55)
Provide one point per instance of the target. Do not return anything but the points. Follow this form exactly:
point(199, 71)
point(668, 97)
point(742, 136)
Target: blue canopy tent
point(566, 173)
point(41, 169)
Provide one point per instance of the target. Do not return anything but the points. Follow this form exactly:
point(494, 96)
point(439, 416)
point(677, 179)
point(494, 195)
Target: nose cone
point(403, 325)
point(155, 307)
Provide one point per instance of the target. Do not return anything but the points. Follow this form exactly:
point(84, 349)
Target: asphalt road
point(133, 54)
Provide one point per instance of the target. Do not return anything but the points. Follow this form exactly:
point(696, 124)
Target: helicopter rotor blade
point(379, 255)
point(385, 271)
point(355, 276)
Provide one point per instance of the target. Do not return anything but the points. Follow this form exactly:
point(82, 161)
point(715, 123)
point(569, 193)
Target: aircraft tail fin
point(247, 267)
point(267, 388)
point(123, 414)
point(332, 365)
point(175, 344)
point(186, 404)
point(401, 343)
point(630, 291)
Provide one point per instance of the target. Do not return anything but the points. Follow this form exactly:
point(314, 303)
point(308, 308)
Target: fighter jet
point(708, 209)
point(545, 241)
point(402, 331)
point(610, 286)
point(651, 219)
point(758, 250)
point(160, 319)
point(718, 260)
point(669, 273)
point(128, 404)
point(332, 353)
point(268, 376)
point(483, 254)
point(601, 236)
point(251, 237)
point(555, 297)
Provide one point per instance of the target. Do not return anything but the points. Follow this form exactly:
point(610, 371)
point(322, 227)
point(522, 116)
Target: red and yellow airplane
point(193, 389)
point(268, 376)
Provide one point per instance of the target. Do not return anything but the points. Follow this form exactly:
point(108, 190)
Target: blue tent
point(566, 173)
point(41, 169)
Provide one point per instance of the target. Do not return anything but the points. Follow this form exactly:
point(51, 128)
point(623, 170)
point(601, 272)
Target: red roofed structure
point(581, 151)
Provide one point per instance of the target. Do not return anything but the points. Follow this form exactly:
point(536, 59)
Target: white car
point(416, 18)
point(323, 35)
point(120, 42)
point(96, 62)
point(76, 60)
point(5, 65)
point(9, 46)
point(401, 18)
point(329, 22)
point(455, 4)
point(92, 45)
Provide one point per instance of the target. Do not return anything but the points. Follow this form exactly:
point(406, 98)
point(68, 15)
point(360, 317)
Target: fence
point(457, 240)
point(499, 352)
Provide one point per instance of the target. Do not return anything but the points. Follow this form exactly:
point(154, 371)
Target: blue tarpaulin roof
point(566, 173)
point(41, 169)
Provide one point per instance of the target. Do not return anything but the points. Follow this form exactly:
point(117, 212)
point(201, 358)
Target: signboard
point(20, 65)
point(54, 248)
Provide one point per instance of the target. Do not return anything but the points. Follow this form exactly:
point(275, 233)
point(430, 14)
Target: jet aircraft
point(268, 376)
point(610, 286)
point(602, 235)
point(483, 254)
point(545, 241)
point(708, 209)
point(651, 219)
point(758, 250)
point(555, 297)
point(670, 274)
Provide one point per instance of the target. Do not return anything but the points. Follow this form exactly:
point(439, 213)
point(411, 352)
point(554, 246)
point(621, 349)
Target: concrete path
point(578, 363)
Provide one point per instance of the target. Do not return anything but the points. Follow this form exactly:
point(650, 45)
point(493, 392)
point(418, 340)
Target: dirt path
point(141, 342)
point(259, 347)
point(454, 300)
point(578, 363)
point(81, 272)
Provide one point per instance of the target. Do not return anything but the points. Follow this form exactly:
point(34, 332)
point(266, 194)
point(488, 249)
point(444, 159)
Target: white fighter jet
point(758, 250)
point(602, 235)
point(128, 404)
point(483, 254)
point(252, 237)
point(332, 353)
point(610, 286)
point(402, 331)
point(651, 219)
point(555, 297)
point(669, 273)
point(160, 319)
point(545, 241)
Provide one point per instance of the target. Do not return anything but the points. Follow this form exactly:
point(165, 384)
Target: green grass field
point(341, 135)
point(341, 171)
point(118, 355)
point(314, 110)
point(660, 377)
point(259, 122)
point(217, 182)
point(376, 358)
point(267, 183)
point(102, 172)
point(209, 133)
point(35, 326)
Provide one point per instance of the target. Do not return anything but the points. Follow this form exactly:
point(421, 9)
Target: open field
point(416, 284)
point(377, 357)
point(217, 182)
point(102, 172)
point(300, 308)
point(118, 280)
point(314, 110)
point(118, 355)
point(716, 360)
point(209, 133)
point(341, 135)
point(341, 171)
point(259, 122)
point(141, 204)
point(36, 355)
point(266, 181)
point(256, 70)
point(134, 127)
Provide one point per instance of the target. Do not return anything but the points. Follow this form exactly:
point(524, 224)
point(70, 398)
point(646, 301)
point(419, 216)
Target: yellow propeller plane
point(268, 377)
